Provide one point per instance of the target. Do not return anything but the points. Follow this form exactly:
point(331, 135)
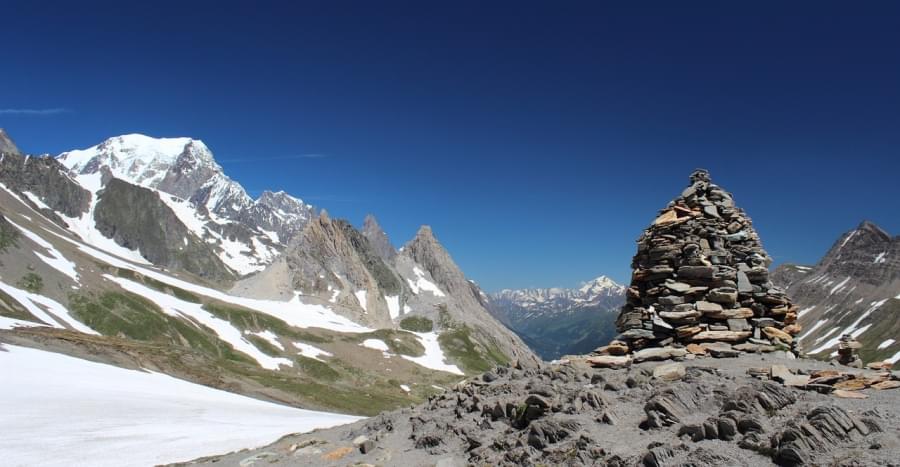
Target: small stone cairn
point(700, 282)
point(847, 348)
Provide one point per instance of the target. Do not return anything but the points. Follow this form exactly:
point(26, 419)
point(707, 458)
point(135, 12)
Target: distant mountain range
point(560, 321)
point(141, 252)
point(854, 289)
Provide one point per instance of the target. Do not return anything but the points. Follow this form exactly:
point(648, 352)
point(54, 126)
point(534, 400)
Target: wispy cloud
point(273, 158)
point(54, 111)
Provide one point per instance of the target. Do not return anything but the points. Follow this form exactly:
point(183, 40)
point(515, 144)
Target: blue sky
point(538, 139)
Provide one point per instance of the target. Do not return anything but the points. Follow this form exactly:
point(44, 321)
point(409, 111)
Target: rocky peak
point(282, 201)
point(425, 249)
point(601, 286)
point(7, 146)
point(378, 239)
point(865, 244)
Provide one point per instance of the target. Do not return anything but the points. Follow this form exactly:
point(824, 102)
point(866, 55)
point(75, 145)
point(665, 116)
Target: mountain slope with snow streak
point(852, 290)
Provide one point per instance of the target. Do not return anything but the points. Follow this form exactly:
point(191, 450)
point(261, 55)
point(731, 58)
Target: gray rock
point(738, 325)
point(364, 444)
point(743, 283)
point(679, 287)
point(658, 353)
point(723, 295)
point(708, 307)
point(669, 372)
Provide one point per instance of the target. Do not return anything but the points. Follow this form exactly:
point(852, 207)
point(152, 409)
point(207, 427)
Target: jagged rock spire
point(379, 240)
point(7, 146)
point(701, 274)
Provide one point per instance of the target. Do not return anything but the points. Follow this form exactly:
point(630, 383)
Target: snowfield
point(64, 411)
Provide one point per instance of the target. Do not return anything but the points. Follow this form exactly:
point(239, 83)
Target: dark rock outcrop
point(48, 180)
point(136, 218)
point(378, 239)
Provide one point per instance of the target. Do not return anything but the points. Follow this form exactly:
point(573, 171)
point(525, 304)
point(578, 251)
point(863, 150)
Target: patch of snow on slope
point(55, 315)
point(851, 329)
point(848, 238)
point(895, 358)
point(805, 311)
point(185, 212)
point(194, 312)
point(423, 284)
point(393, 303)
point(434, 356)
point(885, 344)
point(311, 351)
point(880, 258)
point(56, 260)
point(293, 312)
point(839, 286)
point(68, 411)
point(36, 200)
point(10, 323)
point(239, 257)
point(813, 328)
point(361, 298)
point(376, 344)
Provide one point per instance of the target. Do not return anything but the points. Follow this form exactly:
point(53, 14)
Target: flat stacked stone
point(701, 275)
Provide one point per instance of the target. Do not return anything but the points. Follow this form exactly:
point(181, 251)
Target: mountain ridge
point(560, 321)
point(116, 269)
point(853, 289)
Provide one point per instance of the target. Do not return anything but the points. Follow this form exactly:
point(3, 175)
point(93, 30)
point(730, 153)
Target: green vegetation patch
point(318, 370)
point(263, 345)
point(132, 316)
point(31, 282)
point(471, 355)
point(417, 324)
point(9, 235)
point(398, 342)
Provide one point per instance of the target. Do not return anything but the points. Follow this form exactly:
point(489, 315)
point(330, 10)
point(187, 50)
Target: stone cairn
point(847, 348)
point(700, 276)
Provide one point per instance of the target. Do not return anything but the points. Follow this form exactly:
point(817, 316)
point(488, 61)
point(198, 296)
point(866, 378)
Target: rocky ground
point(703, 411)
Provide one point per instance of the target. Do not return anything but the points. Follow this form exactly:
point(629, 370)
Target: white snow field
point(58, 410)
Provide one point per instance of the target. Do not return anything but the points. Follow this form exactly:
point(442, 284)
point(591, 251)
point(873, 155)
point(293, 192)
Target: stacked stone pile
point(701, 276)
point(847, 348)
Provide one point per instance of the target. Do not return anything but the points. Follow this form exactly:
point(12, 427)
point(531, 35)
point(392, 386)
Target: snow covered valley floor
point(65, 411)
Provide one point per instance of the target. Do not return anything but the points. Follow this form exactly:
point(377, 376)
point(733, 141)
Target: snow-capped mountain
point(246, 233)
point(558, 321)
point(601, 291)
point(101, 259)
point(854, 289)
